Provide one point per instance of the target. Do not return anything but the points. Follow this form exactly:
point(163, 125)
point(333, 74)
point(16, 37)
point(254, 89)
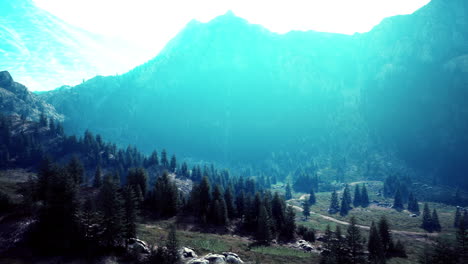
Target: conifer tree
point(278, 211)
point(435, 221)
point(76, 170)
point(263, 234)
point(334, 206)
point(111, 210)
point(164, 160)
point(399, 250)
point(413, 205)
point(427, 219)
point(462, 241)
point(288, 194)
point(229, 199)
point(398, 201)
point(312, 198)
point(347, 197)
point(306, 209)
point(344, 209)
point(130, 213)
point(384, 234)
point(172, 246)
point(138, 178)
point(166, 196)
point(173, 164)
point(97, 182)
point(374, 246)
point(357, 196)
point(287, 232)
point(205, 198)
point(153, 159)
point(240, 204)
point(354, 243)
point(364, 196)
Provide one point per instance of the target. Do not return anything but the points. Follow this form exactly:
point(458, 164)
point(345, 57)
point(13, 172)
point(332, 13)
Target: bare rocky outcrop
point(189, 256)
point(16, 99)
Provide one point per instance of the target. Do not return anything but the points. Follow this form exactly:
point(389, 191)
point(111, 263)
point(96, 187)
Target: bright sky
point(152, 23)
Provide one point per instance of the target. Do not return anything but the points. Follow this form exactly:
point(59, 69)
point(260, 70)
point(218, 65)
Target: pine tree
point(97, 182)
point(427, 219)
point(344, 209)
point(288, 194)
point(347, 197)
point(112, 213)
point(357, 196)
point(435, 221)
point(462, 241)
point(413, 205)
point(287, 231)
point(130, 213)
point(364, 196)
point(138, 177)
point(334, 206)
point(384, 234)
point(173, 164)
point(312, 198)
point(172, 246)
point(354, 243)
point(165, 196)
point(164, 160)
point(374, 246)
point(153, 159)
point(229, 199)
point(306, 209)
point(399, 250)
point(278, 211)
point(398, 201)
point(456, 222)
point(263, 235)
point(205, 198)
point(76, 170)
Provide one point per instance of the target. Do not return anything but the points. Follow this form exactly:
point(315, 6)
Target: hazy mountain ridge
point(31, 39)
point(219, 89)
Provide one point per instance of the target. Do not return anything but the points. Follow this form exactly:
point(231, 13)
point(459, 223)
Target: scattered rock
point(413, 215)
point(215, 258)
point(187, 252)
point(198, 261)
point(232, 258)
point(138, 246)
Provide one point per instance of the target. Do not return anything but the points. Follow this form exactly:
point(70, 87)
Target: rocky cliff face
point(15, 99)
point(228, 90)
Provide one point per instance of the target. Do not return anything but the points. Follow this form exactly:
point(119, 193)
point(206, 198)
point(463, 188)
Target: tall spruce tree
point(435, 221)
point(398, 201)
point(334, 205)
point(263, 234)
point(173, 163)
point(172, 246)
point(288, 194)
point(384, 234)
point(97, 182)
point(112, 213)
point(229, 199)
point(357, 196)
point(374, 246)
point(364, 196)
point(164, 160)
point(76, 170)
point(344, 209)
point(427, 219)
point(130, 213)
point(312, 198)
point(306, 208)
point(354, 243)
point(347, 197)
point(456, 220)
point(289, 227)
point(462, 241)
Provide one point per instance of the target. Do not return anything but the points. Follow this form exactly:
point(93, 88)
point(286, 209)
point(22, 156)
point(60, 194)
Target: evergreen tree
point(164, 160)
point(413, 205)
point(398, 201)
point(306, 209)
point(173, 164)
point(287, 231)
point(76, 170)
point(427, 219)
point(334, 206)
point(399, 250)
point(364, 196)
point(384, 234)
point(374, 246)
point(229, 199)
point(111, 210)
point(137, 178)
point(462, 241)
point(172, 246)
point(357, 196)
point(344, 209)
point(435, 221)
point(130, 213)
point(205, 198)
point(312, 198)
point(278, 211)
point(354, 243)
point(263, 235)
point(347, 197)
point(97, 182)
point(288, 194)
point(240, 204)
point(153, 159)
point(165, 196)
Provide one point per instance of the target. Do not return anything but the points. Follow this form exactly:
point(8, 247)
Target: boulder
point(187, 252)
point(215, 258)
point(232, 258)
point(138, 246)
point(5, 79)
point(304, 245)
point(198, 261)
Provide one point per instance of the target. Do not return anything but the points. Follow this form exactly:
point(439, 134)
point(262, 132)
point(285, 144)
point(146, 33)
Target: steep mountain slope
point(43, 52)
point(232, 91)
point(15, 99)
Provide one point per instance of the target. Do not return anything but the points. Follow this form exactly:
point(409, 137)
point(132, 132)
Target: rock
point(232, 258)
point(138, 246)
point(198, 261)
point(413, 215)
point(5, 79)
point(187, 252)
point(215, 258)
point(304, 245)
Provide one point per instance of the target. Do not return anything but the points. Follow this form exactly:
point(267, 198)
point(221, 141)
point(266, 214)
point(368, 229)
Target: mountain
point(15, 99)
point(231, 91)
point(44, 52)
